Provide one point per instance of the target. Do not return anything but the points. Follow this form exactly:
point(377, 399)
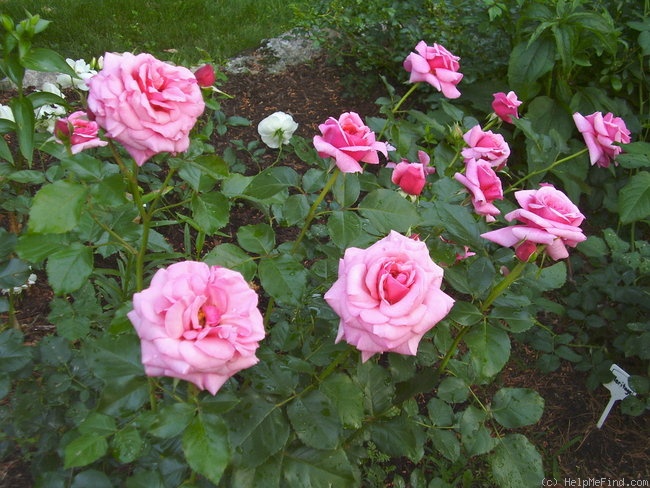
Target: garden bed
point(566, 435)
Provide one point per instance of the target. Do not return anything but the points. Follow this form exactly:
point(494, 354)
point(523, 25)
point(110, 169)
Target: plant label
point(619, 390)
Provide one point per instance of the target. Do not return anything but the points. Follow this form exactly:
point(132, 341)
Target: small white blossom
point(46, 115)
point(84, 72)
point(277, 129)
point(17, 289)
point(6, 113)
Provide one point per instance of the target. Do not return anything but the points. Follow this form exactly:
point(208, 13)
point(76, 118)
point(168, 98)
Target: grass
point(190, 31)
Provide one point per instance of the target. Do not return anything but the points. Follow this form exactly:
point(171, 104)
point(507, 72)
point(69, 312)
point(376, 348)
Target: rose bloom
point(411, 177)
point(484, 185)
point(486, 146)
point(388, 296)
point(77, 131)
point(350, 142)
point(600, 133)
point(198, 323)
point(145, 104)
point(505, 106)
point(205, 76)
point(277, 129)
point(436, 66)
point(548, 217)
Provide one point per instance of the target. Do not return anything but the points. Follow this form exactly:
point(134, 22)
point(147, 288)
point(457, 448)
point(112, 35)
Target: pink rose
point(146, 105)
point(600, 133)
point(78, 131)
point(549, 218)
point(505, 106)
point(205, 76)
point(198, 323)
point(436, 66)
point(388, 296)
point(484, 185)
point(486, 146)
point(350, 142)
point(411, 177)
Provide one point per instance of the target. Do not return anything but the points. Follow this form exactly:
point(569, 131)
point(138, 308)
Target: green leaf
point(346, 189)
point(15, 355)
point(56, 208)
point(551, 277)
point(14, 273)
point(267, 474)
point(346, 396)
point(24, 116)
point(256, 238)
point(440, 412)
point(295, 209)
point(446, 443)
point(316, 468)
point(111, 358)
point(387, 210)
point(91, 477)
point(475, 437)
point(27, 176)
point(211, 211)
point(68, 269)
point(489, 349)
point(267, 184)
point(205, 445)
point(399, 436)
point(344, 228)
point(517, 407)
point(465, 313)
point(634, 198)
point(453, 390)
point(40, 98)
point(515, 462)
point(314, 420)
point(84, 450)
point(257, 430)
point(231, 256)
point(98, 423)
point(284, 278)
point(377, 387)
point(171, 420)
point(43, 59)
point(528, 63)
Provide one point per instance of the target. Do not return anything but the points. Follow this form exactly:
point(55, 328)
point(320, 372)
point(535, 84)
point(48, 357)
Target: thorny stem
point(544, 170)
point(314, 208)
point(503, 285)
point(146, 214)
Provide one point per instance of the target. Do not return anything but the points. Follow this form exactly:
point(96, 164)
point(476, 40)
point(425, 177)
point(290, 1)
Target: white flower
point(277, 129)
point(17, 289)
point(46, 115)
point(6, 113)
point(84, 72)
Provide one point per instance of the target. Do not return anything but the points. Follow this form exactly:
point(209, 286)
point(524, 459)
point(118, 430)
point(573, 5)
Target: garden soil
point(572, 447)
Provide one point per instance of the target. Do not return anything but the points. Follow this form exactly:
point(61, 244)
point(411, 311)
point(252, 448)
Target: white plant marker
point(619, 389)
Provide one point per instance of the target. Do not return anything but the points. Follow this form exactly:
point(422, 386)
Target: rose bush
point(319, 408)
point(349, 141)
point(198, 323)
point(147, 105)
point(388, 296)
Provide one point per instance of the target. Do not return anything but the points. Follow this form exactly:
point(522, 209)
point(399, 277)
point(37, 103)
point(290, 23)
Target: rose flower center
point(395, 281)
